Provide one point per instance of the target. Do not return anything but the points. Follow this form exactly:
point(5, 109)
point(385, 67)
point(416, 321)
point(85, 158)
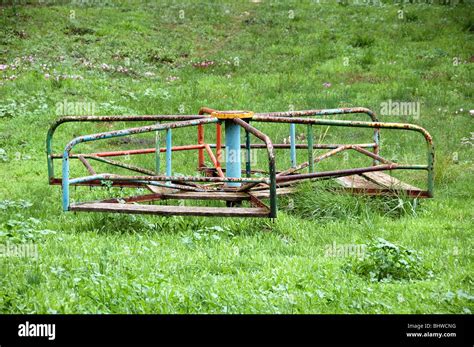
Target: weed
point(385, 261)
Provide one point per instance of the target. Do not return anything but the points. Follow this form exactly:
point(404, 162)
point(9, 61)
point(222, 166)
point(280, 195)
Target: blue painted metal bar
point(65, 181)
point(293, 144)
point(157, 152)
point(168, 152)
point(232, 151)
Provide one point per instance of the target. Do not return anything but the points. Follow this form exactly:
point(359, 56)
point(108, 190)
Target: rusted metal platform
point(233, 182)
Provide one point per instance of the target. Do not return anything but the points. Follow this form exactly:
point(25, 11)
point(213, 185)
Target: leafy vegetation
point(384, 261)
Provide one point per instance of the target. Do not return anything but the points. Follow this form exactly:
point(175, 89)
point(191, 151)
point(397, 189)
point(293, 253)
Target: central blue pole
point(232, 152)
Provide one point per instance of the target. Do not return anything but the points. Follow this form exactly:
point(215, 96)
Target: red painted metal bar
point(131, 152)
point(202, 112)
point(191, 147)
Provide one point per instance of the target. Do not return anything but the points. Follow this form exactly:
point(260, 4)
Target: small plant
point(5, 204)
point(3, 155)
point(385, 261)
point(24, 230)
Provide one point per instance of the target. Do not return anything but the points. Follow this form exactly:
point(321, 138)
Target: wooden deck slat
point(379, 184)
point(356, 181)
point(388, 181)
point(225, 196)
point(172, 210)
point(261, 194)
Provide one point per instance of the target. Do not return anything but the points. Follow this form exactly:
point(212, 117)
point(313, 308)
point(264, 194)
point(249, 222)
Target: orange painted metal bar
point(131, 152)
point(200, 141)
point(202, 111)
point(214, 160)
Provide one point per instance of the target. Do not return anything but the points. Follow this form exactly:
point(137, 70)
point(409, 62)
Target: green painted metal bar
point(335, 111)
point(116, 133)
point(310, 148)
point(293, 145)
point(168, 152)
point(69, 119)
point(359, 124)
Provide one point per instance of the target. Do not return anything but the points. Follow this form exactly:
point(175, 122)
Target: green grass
point(263, 61)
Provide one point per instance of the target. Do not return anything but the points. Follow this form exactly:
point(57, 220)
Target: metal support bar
point(132, 151)
point(271, 162)
point(201, 151)
point(68, 119)
point(315, 160)
point(219, 143)
point(330, 112)
point(248, 157)
point(168, 152)
point(293, 144)
point(348, 172)
point(214, 161)
point(87, 165)
point(117, 133)
point(157, 152)
point(181, 179)
point(123, 165)
point(358, 124)
point(310, 148)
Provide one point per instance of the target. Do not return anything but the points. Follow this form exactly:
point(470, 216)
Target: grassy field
point(145, 58)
